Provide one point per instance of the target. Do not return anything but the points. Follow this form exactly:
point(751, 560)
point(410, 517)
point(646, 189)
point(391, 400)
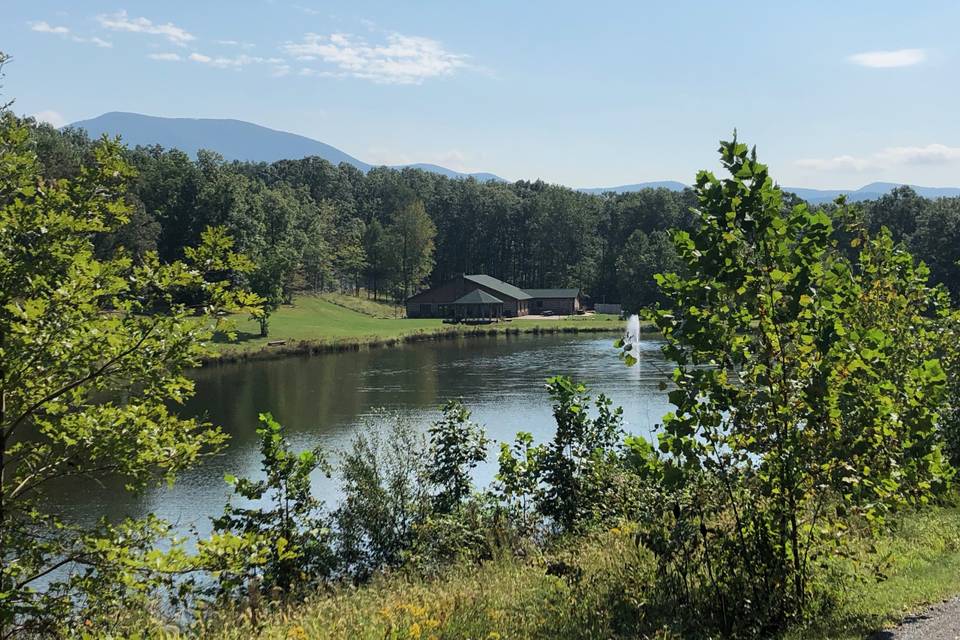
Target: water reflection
point(325, 399)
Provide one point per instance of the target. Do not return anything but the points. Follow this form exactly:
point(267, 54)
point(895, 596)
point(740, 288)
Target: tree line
point(312, 226)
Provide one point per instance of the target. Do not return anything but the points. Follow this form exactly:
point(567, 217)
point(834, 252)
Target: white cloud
point(167, 57)
point(931, 154)
point(98, 41)
point(44, 27)
point(837, 163)
point(234, 43)
point(307, 10)
point(401, 60)
point(51, 117)
point(307, 72)
point(121, 22)
point(889, 59)
point(234, 62)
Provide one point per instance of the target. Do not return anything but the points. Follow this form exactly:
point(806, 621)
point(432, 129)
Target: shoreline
point(318, 347)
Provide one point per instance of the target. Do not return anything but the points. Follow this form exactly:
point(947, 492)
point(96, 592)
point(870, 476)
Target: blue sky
point(834, 94)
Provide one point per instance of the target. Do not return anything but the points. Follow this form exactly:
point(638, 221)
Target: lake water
point(325, 399)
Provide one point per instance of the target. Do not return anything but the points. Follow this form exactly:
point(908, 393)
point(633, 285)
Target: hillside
point(239, 140)
point(233, 139)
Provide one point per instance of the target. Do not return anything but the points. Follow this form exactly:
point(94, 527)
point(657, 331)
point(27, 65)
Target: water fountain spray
point(631, 340)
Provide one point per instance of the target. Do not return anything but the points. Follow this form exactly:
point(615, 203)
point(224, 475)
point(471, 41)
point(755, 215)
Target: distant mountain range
point(239, 140)
point(234, 140)
point(871, 191)
point(672, 185)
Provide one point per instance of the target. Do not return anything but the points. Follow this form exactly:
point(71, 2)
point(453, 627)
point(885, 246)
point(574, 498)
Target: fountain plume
point(631, 340)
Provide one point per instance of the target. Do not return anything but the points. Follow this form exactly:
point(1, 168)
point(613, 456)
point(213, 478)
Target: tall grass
point(599, 586)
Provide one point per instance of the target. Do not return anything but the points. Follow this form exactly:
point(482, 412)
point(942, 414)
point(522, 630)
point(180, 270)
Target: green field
point(317, 321)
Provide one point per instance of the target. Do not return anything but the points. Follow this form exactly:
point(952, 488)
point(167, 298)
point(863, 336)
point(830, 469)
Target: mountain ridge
point(241, 140)
point(234, 140)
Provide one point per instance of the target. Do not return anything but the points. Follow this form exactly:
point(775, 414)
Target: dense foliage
point(311, 225)
point(457, 446)
point(566, 476)
point(92, 356)
point(809, 390)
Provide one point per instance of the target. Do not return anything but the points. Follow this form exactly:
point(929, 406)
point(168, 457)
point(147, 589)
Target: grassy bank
point(604, 592)
point(918, 564)
point(319, 324)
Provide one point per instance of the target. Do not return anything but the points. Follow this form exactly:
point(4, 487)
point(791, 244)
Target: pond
point(326, 399)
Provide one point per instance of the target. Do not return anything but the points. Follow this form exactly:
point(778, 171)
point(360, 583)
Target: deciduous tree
point(92, 359)
point(808, 389)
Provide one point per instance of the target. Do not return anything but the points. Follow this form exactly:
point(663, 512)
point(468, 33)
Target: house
point(562, 302)
point(449, 299)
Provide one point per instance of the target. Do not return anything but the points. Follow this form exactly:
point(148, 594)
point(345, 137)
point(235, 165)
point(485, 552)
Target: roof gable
point(499, 286)
point(478, 296)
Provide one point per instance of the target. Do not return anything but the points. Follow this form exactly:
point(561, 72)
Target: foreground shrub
point(599, 596)
point(282, 544)
point(565, 477)
point(408, 496)
point(808, 394)
point(597, 586)
point(457, 446)
point(950, 357)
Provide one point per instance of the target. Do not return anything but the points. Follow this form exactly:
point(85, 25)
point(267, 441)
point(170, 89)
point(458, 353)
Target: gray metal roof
point(478, 296)
point(553, 293)
point(499, 286)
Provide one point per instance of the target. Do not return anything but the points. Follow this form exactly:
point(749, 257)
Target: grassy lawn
point(366, 306)
point(340, 319)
